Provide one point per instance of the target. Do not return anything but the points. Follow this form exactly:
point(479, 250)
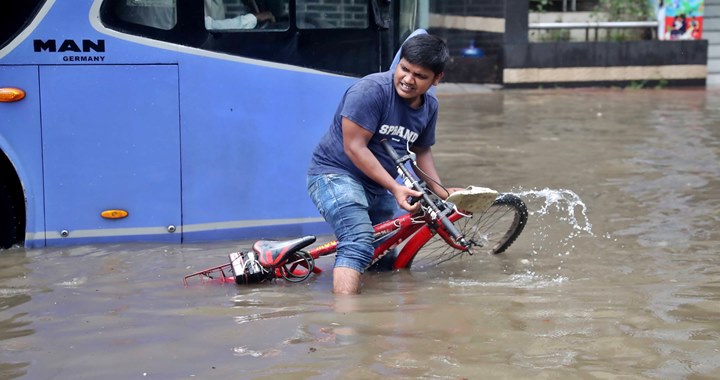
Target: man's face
point(412, 81)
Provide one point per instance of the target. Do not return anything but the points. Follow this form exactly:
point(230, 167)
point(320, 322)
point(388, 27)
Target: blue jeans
point(351, 212)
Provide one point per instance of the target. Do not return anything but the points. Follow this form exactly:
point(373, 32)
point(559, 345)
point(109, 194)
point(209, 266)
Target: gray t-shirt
point(374, 104)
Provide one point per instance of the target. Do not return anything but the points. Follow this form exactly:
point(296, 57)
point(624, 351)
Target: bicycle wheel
point(490, 232)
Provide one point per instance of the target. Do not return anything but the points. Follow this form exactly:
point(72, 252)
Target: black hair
point(427, 51)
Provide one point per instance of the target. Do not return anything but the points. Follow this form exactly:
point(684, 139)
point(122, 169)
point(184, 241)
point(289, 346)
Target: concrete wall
point(500, 28)
point(572, 64)
point(711, 32)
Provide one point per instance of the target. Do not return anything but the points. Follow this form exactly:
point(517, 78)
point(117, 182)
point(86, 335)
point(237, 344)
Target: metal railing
point(565, 8)
point(596, 26)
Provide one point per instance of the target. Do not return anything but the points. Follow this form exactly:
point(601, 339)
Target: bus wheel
point(8, 218)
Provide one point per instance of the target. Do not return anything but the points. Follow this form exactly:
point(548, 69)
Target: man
point(350, 173)
point(216, 19)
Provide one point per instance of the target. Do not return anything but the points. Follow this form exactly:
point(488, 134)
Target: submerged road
point(615, 276)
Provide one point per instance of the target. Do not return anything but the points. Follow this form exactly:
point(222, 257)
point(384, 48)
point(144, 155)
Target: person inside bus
point(351, 179)
point(216, 18)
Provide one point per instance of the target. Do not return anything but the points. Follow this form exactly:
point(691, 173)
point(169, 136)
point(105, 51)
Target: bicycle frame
point(406, 228)
point(406, 234)
point(414, 230)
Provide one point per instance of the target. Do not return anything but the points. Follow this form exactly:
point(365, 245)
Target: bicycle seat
point(473, 199)
point(272, 253)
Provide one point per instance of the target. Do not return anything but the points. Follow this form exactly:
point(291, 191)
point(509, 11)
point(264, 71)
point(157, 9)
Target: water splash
point(558, 217)
point(564, 201)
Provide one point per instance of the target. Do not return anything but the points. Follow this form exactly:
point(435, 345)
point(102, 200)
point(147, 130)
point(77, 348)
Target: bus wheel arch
point(12, 205)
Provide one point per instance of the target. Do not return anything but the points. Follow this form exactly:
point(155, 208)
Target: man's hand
point(445, 194)
point(265, 16)
point(402, 195)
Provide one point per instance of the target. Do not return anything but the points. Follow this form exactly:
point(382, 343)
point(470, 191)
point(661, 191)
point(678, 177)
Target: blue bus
point(174, 120)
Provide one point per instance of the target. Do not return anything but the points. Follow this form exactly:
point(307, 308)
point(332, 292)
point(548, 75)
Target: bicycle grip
point(399, 162)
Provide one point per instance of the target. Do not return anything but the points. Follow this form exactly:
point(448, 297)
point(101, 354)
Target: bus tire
point(8, 218)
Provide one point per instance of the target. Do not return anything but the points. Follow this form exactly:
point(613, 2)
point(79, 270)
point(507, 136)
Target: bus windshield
point(14, 16)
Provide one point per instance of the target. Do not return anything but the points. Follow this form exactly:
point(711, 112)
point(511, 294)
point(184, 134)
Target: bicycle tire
point(490, 232)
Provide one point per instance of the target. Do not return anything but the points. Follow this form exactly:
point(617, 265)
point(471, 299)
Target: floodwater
point(617, 274)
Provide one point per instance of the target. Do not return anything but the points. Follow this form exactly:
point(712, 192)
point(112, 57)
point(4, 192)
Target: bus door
point(122, 153)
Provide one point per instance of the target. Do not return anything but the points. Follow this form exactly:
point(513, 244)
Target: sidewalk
point(465, 88)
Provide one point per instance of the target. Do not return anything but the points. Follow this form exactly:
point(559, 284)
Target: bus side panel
point(20, 140)
point(247, 144)
point(123, 152)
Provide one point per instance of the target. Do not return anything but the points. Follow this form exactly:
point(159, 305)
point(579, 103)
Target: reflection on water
point(615, 275)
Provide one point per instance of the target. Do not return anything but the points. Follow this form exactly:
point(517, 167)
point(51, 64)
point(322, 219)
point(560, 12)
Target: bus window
point(330, 35)
point(159, 14)
point(14, 16)
point(407, 20)
point(239, 15)
point(332, 14)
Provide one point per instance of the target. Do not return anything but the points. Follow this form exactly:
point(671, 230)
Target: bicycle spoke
point(490, 232)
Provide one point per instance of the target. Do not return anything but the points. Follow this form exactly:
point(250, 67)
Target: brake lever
point(416, 184)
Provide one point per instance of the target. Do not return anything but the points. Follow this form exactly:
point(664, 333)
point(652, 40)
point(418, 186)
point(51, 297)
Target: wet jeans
point(351, 212)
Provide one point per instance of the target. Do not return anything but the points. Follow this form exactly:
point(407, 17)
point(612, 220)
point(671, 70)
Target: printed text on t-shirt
point(400, 131)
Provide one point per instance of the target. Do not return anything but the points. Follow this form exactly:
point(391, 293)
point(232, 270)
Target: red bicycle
point(479, 220)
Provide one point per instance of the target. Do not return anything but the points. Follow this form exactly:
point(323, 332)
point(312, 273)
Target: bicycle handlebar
point(415, 184)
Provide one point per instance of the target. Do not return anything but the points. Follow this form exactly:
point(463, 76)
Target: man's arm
point(428, 172)
point(355, 144)
point(246, 21)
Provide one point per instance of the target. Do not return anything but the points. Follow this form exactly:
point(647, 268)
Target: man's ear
point(438, 77)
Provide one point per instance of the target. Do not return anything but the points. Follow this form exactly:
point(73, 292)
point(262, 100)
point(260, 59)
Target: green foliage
point(618, 35)
point(553, 35)
point(542, 5)
point(637, 85)
point(625, 10)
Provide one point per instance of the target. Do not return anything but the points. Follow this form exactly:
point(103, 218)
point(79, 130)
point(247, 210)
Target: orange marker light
point(114, 214)
point(11, 94)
